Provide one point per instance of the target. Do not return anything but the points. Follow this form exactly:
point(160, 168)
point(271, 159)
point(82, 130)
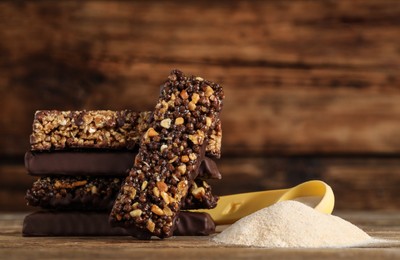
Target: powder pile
point(292, 224)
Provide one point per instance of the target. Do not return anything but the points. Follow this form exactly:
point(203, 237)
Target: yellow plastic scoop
point(316, 194)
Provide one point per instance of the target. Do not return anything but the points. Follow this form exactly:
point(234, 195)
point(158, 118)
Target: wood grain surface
point(312, 87)
point(13, 245)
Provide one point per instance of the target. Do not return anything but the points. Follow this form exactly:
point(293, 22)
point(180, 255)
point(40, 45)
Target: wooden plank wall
point(312, 87)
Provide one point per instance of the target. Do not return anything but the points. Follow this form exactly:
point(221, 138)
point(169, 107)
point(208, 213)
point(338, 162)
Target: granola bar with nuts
point(78, 193)
point(58, 130)
point(92, 193)
point(94, 129)
point(170, 153)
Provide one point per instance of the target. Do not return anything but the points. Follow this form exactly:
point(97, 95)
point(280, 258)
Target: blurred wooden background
point(312, 87)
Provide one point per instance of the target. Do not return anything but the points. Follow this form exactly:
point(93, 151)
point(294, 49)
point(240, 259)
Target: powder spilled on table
point(292, 224)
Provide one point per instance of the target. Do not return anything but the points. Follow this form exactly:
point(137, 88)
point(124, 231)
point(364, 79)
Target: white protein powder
point(292, 224)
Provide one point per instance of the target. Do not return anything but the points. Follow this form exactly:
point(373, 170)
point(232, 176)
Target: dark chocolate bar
point(98, 193)
point(169, 156)
point(88, 163)
point(95, 163)
point(53, 223)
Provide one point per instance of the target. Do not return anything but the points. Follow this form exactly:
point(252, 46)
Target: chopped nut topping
point(192, 156)
point(192, 106)
point(164, 107)
point(79, 183)
point(156, 210)
point(135, 213)
point(199, 78)
point(163, 147)
point(156, 192)
point(209, 91)
point(173, 159)
point(184, 94)
point(57, 184)
point(182, 188)
point(182, 168)
point(150, 225)
point(208, 121)
point(162, 186)
point(93, 190)
point(167, 211)
point(144, 185)
point(165, 197)
point(130, 191)
point(185, 158)
point(151, 132)
point(197, 138)
point(179, 121)
point(195, 98)
point(199, 192)
point(166, 123)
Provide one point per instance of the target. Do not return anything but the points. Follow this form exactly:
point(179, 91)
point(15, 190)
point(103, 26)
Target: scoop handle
point(231, 208)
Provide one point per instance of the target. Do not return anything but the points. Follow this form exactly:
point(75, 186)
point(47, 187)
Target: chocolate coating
point(53, 223)
point(95, 163)
point(78, 163)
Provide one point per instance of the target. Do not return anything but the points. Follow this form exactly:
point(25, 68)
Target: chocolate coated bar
point(95, 163)
point(53, 223)
point(170, 153)
point(77, 163)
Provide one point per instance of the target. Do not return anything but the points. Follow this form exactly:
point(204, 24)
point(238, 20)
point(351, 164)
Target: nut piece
point(199, 192)
point(182, 168)
point(179, 121)
point(173, 159)
point(156, 210)
point(93, 190)
point(195, 98)
point(199, 78)
point(166, 123)
point(185, 158)
point(162, 186)
point(192, 106)
point(135, 213)
point(208, 121)
point(150, 225)
point(163, 147)
point(151, 132)
point(132, 193)
point(57, 184)
point(144, 185)
point(165, 197)
point(192, 156)
point(184, 94)
point(208, 91)
point(167, 211)
point(156, 192)
point(79, 183)
point(197, 138)
point(182, 188)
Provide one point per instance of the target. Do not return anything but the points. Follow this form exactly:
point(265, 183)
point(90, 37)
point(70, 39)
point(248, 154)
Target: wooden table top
point(14, 246)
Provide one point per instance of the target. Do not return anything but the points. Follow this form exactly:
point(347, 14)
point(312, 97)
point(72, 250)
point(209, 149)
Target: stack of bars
point(91, 163)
